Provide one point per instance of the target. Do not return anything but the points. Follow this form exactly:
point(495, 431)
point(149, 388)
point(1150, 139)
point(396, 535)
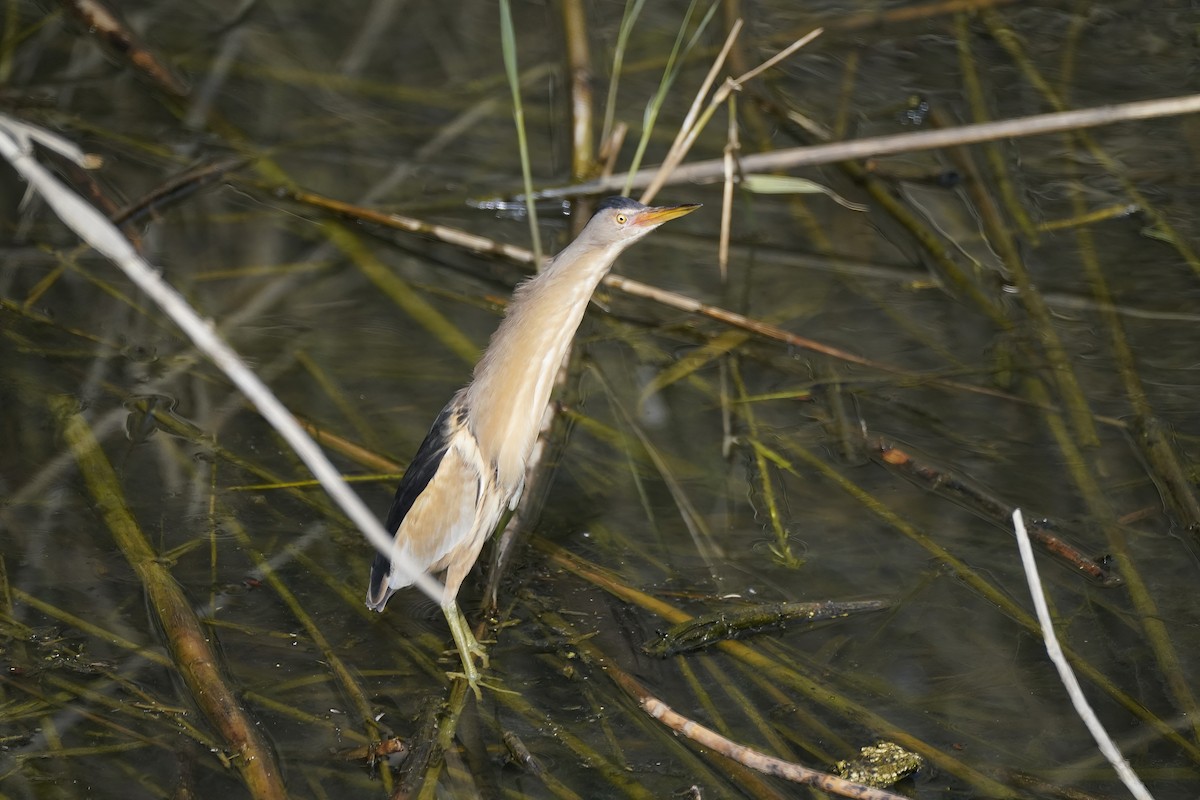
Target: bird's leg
point(468, 647)
point(473, 645)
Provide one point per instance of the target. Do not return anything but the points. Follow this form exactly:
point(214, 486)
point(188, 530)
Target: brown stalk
point(198, 665)
point(749, 757)
point(176, 189)
point(788, 677)
point(733, 149)
point(954, 486)
point(481, 244)
point(107, 26)
point(349, 449)
point(582, 160)
point(579, 66)
point(702, 764)
point(706, 737)
point(774, 332)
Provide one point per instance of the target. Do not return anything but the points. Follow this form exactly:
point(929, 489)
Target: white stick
point(1107, 746)
point(95, 229)
point(713, 169)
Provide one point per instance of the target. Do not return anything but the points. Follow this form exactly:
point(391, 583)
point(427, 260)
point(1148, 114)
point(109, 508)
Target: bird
point(470, 469)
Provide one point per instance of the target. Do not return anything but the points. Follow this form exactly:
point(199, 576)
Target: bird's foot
point(477, 684)
point(471, 677)
point(474, 650)
point(469, 648)
point(477, 650)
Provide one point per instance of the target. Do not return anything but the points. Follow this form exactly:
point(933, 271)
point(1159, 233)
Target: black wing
point(422, 469)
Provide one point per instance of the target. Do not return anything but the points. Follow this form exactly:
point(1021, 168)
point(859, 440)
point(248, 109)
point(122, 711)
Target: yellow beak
point(657, 215)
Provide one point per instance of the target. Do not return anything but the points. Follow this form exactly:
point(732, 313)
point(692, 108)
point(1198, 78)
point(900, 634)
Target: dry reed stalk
point(100, 21)
point(754, 759)
point(198, 665)
point(582, 159)
point(579, 66)
point(788, 676)
point(481, 244)
point(1035, 125)
point(687, 132)
point(706, 737)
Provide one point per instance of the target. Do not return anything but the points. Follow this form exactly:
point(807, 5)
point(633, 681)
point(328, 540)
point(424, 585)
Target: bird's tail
point(380, 588)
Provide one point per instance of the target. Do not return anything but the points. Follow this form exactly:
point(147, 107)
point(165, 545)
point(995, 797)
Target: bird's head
point(622, 220)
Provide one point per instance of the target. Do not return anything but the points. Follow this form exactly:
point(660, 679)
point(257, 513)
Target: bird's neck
point(511, 388)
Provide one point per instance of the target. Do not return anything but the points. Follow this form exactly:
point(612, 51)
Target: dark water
point(408, 111)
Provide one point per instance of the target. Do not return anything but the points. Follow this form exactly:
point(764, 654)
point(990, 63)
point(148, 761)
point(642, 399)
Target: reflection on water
point(1022, 335)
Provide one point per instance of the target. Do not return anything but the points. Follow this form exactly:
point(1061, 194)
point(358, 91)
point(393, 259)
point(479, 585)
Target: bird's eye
point(622, 219)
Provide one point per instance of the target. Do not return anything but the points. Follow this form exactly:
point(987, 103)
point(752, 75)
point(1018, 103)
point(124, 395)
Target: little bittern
point(471, 467)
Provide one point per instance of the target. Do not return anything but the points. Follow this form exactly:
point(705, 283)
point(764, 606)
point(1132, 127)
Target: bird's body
point(470, 469)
